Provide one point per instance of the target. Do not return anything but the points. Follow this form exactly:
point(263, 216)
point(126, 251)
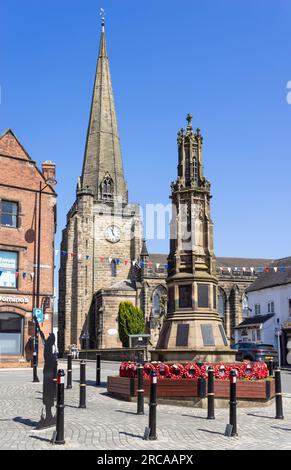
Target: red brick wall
point(20, 181)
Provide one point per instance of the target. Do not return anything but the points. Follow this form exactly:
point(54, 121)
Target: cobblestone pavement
point(111, 424)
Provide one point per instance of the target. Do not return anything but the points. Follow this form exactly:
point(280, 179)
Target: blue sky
point(226, 62)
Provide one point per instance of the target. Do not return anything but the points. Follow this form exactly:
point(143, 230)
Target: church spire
point(102, 168)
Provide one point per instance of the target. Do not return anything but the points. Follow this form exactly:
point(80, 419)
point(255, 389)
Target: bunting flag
point(32, 275)
point(24, 275)
point(56, 252)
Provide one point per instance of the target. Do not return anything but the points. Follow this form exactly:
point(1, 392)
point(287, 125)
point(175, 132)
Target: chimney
point(49, 171)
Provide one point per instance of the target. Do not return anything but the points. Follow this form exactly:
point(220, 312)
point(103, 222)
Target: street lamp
point(49, 182)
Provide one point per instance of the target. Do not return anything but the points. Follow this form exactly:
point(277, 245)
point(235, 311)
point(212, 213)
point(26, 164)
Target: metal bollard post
point(140, 386)
point(232, 402)
point(98, 369)
point(60, 439)
point(55, 382)
point(69, 371)
point(82, 403)
point(210, 394)
point(278, 395)
point(35, 377)
point(270, 365)
point(153, 407)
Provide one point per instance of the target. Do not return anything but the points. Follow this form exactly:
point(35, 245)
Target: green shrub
point(130, 322)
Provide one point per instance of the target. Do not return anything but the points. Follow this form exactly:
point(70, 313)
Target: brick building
point(22, 187)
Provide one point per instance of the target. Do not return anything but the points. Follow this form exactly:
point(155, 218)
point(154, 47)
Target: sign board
point(38, 313)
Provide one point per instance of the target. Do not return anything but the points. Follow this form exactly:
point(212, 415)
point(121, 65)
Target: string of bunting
point(17, 273)
point(150, 264)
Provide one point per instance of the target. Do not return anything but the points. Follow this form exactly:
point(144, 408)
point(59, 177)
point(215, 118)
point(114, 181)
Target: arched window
point(113, 268)
point(222, 306)
point(107, 188)
point(159, 296)
point(195, 169)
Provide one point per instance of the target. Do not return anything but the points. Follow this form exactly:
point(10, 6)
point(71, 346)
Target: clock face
point(113, 234)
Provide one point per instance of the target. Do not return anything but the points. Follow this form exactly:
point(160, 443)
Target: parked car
point(255, 352)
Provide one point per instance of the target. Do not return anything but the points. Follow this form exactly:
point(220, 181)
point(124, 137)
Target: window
point(185, 296)
point(107, 188)
point(258, 309)
point(195, 169)
point(214, 298)
point(203, 295)
point(221, 304)
point(289, 307)
point(11, 334)
point(271, 307)
point(259, 335)
point(158, 300)
point(8, 213)
point(113, 268)
point(8, 268)
point(245, 306)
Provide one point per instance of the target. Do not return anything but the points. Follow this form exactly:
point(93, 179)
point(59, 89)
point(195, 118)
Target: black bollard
point(278, 395)
point(232, 402)
point(210, 394)
point(270, 365)
point(82, 403)
point(35, 377)
point(140, 385)
point(60, 433)
point(69, 371)
point(153, 407)
point(98, 369)
point(55, 381)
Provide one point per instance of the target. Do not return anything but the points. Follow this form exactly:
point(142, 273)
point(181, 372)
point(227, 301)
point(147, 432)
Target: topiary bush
point(130, 322)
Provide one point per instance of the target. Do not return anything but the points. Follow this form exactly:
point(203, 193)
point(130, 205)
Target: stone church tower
point(102, 229)
point(192, 329)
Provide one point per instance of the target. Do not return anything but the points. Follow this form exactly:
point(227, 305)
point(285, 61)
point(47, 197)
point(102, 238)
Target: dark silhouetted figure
point(49, 384)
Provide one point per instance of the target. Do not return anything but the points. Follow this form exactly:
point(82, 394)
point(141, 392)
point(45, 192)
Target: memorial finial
point(189, 119)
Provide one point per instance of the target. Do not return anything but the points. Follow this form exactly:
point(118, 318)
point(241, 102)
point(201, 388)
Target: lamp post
point(49, 182)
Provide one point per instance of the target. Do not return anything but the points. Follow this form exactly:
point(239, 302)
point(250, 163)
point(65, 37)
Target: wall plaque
point(182, 335)
point(207, 335)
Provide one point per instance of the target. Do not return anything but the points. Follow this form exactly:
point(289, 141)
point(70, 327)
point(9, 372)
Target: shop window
point(11, 334)
point(8, 214)
point(8, 269)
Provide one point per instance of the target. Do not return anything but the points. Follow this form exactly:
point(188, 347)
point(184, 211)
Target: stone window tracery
point(107, 188)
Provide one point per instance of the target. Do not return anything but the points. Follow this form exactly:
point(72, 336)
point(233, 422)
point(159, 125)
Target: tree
point(130, 322)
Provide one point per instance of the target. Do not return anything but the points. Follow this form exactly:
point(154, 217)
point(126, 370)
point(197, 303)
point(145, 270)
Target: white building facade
point(269, 307)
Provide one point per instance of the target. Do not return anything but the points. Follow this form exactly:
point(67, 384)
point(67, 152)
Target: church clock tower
point(192, 329)
point(103, 232)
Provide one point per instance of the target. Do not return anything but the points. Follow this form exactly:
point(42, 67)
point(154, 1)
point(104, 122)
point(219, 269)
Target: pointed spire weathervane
point(102, 14)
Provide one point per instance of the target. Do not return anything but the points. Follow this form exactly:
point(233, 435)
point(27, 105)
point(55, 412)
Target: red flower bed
point(244, 370)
